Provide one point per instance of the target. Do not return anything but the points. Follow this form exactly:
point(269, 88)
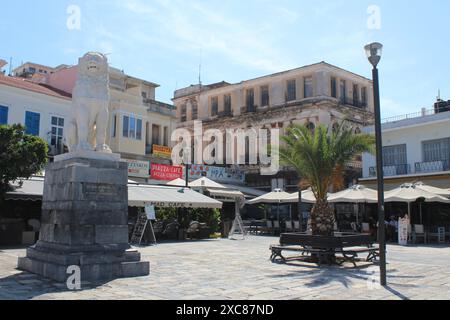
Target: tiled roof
point(34, 87)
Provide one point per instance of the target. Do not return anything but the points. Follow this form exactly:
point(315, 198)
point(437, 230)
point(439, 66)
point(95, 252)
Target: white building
point(416, 147)
point(42, 109)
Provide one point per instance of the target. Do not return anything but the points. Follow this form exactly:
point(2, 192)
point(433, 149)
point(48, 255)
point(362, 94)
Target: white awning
point(276, 196)
point(206, 183)
point(31, 190)
point(225, 193)
point(160, 196)
point(138, 195)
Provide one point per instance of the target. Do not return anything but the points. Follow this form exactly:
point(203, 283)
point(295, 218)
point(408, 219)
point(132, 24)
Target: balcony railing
point(432, 166)
point(248, 109)
point(390, 171)
point(354, 103)
point(419, 167)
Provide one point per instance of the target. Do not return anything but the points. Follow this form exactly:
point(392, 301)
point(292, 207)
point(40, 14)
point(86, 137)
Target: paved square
point(227, 269)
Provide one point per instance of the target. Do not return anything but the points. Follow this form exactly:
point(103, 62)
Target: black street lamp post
point(373, 52)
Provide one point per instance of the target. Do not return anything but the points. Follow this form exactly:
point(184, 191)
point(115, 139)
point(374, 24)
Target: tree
point(319, 156)
point(21, 155)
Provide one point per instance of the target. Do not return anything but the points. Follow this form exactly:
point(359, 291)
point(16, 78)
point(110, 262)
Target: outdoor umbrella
point(277, 196)
point(307, 197)
point(410, 193)
point(439, 191)
point(356, 194)
point(177, 183)
point(206, 183)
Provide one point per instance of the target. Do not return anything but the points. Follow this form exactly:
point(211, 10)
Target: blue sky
point(164, 41)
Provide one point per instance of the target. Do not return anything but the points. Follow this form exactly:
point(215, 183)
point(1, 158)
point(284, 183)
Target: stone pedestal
point(85, 222)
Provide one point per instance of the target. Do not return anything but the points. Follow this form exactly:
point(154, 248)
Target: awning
point(138, 195)
point(410, 193)
point(169, 197)
point(205, 183)
point(225, 193)
point(31, 190)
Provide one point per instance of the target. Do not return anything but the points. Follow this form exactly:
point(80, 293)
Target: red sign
point(165, 172)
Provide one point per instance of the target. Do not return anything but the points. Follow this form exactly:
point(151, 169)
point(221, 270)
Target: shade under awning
point(159, 196)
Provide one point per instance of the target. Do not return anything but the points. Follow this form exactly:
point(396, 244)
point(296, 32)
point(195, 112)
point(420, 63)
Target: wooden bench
point(349, 246)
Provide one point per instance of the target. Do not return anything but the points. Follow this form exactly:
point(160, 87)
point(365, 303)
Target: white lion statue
point(90, 103)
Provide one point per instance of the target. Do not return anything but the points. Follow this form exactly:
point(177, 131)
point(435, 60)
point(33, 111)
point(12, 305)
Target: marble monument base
point(85, 222)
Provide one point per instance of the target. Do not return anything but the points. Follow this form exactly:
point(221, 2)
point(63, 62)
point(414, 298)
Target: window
point(155, 134)
point(32, 70)
point(364, 96)
point(183, 113)
point(308, 82)
point(3, 115)
point(138, 129)
point(194, 110)
point(126, 123)
point(227, 104)
point(250, 100)
point(291, 90)
point(144, 94)
point(132, 127)
point(57, 133)
point(355, 94)
point(32, 122)
point(436, 150)
point(214, 106)
point(343, 90)
point(166, 136)
point(394, 155)
point(311, 126)
point(334, 87)
point(114, 127)
point(265, 96)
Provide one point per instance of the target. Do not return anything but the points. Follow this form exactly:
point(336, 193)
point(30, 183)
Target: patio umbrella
point(439, 191)
point(277, 196)
point(410, 193)
point(356, 194)
point(307, 197)
point(177, 183)
point(206, 183)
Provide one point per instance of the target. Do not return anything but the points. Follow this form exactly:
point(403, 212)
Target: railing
point(432, 166)
point(423, 113)
point(389, 171)
point(248, 109)
point(159, 107)
point(354, 103)
point(419, 167)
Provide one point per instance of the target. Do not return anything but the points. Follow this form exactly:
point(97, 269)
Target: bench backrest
point(341, 241)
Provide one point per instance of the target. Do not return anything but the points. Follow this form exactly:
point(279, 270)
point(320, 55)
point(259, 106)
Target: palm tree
point(319, 156)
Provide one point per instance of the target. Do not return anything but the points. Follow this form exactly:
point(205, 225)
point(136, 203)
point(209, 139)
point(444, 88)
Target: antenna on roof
point(200, 69)
point(439, 95)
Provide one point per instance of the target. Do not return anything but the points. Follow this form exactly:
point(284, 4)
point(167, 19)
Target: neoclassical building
point(315, 94)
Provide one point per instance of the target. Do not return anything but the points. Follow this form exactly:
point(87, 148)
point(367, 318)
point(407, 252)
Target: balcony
point(353, 103)
point(159, 107)
point(432, 166)
point(248, 109)
point(391, 171)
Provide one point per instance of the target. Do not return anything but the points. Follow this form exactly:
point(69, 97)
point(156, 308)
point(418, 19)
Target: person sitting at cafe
point(392, 228)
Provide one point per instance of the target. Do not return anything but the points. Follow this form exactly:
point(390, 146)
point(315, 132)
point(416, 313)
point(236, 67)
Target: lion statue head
point(93, 65)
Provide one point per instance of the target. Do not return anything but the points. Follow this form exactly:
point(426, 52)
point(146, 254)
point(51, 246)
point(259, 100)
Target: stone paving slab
point(226, 269)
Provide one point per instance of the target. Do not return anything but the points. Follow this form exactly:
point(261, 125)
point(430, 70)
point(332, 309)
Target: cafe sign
point(162, 151)
point(139, 169)
point(165, 172)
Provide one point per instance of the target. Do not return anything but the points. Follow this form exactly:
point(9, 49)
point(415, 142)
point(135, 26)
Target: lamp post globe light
point(373, 52)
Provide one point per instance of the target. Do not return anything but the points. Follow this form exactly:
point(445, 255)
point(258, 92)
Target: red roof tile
point(34, 87)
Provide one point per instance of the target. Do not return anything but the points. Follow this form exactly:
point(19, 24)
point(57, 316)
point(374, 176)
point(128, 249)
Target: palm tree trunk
point(322, 218)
